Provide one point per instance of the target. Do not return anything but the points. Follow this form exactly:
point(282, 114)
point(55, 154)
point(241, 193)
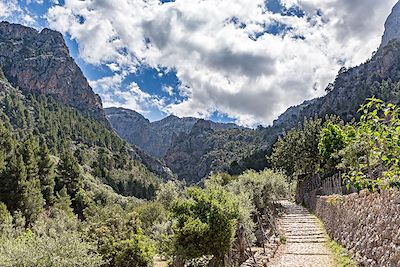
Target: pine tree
point(46, 174)
point(6, 145)
point(11, 180)
point(30, 154)
point(69, 173)
point(63, 202)
point(31, 200)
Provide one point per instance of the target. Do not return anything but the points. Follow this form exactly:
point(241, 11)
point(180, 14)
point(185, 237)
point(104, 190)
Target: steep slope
point(379, 77)
point(392, 26)
point(192, 156)
point(153, 137)
point(39, 62)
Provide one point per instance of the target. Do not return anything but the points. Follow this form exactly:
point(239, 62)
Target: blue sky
point(230, 61)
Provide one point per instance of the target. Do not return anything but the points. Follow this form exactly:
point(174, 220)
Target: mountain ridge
point(154, 137)
point(40, 62)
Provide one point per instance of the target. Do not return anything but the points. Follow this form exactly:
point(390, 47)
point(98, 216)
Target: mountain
point(205, 149)
point(392, 26)
point(153, 137)
point(39, 62)
point(378, 76)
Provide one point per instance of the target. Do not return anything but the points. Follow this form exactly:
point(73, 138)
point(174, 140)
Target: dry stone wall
point(367, 224)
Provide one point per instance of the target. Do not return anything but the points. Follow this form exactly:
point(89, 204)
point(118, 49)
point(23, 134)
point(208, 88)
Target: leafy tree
point(297, 151)
point(169, 192)
point(371, 159)
point(333, 139)
point(52, 241)
point(206, 223)
point(119, 236)
point(136, 251)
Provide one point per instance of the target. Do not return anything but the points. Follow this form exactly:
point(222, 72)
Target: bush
point(206, 223)
point(54, 241)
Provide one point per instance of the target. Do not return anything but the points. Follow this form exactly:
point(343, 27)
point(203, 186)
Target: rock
point(392, 26)
point(39, 62)
point(153, 137)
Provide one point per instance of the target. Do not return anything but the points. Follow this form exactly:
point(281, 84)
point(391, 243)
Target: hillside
point(378, 76)
point(39, 62)
point(153, 137)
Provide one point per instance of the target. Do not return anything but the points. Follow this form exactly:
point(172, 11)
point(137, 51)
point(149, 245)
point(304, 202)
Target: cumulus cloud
point(132, 97)
point(221, 51)
point(8, 8)
point(12, 12)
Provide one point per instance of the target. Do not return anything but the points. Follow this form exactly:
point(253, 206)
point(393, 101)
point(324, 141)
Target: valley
point(84, 185)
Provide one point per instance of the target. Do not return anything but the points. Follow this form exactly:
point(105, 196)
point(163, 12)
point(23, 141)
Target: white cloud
point(12, 12)
point(219, 66)
point(132, 97)
point(168, 89)
point(8, 8)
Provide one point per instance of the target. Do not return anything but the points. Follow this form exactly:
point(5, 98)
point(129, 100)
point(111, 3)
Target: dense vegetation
point(55, 206)
point(57, 210)
point(365, 152)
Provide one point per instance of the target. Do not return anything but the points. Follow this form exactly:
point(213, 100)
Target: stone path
point(306, 241)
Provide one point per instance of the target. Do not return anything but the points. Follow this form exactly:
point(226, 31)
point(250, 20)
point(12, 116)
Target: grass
point(342, 257)
point(282, 239)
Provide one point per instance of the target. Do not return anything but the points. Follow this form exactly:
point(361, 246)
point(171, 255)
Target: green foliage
point(169, 192)
point(297, 151)
point(206, 223)
point(63, 202)
point(5, 220)
point(119, 236)
point(60, 213)
point(333, 139)
point(46, 173)
point(135, 251)
point(53, 241)
point(371, 159)
point(69, 174)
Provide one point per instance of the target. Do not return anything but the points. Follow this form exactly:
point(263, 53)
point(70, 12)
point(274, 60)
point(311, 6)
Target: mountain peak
point(392, 26)
point(40, 62)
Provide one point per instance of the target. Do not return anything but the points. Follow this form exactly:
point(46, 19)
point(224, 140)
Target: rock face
point(39, 62)
point(153, 137)
point(377, 77)
point(193, 156)
point(392, 26)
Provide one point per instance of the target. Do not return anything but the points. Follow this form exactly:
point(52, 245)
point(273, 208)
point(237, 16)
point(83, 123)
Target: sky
point(242, 61)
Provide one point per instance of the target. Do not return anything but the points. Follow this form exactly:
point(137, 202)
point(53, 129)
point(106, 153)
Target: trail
point(306, 241)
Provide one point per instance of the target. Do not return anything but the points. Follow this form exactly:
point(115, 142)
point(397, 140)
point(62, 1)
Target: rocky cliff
point(378, 76)
point(392, 26)
point(153, 137)
point(39, 62)
point(205, 149)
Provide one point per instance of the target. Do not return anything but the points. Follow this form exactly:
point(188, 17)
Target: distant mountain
point(39, 62)
point(206, 148)
point(153, 137)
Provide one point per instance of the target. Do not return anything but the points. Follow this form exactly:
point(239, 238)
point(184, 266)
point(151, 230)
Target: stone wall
point(367, 224)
